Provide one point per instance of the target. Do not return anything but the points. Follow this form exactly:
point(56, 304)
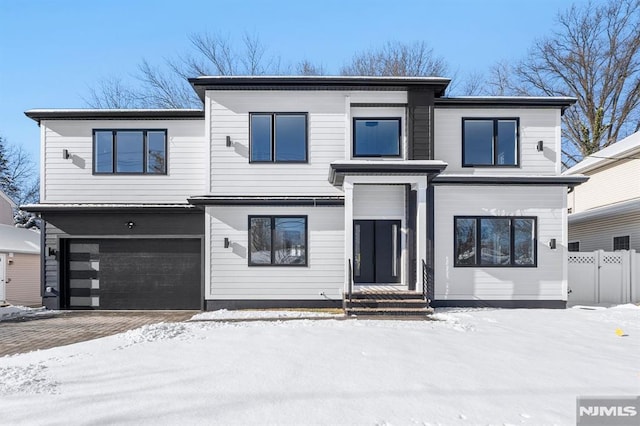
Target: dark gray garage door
point(134, 274)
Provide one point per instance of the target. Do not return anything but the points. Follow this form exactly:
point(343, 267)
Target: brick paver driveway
point(72, 327)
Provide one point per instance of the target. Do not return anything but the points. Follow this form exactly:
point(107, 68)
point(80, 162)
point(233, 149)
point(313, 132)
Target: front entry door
point(376, 250)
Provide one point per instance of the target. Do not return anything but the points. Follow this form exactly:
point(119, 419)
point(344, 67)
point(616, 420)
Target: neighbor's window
point(278, 137)
point(495, 241)
point(278, 240)
point(130, 151)
point(376, 137)
point(489, 142)
point(573, 246)
point(621, 243)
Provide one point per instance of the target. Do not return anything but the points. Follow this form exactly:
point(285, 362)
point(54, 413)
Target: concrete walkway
point(77, 326)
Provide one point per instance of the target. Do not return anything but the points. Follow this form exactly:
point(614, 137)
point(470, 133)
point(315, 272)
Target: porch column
point(348, 229)
point(421, 228)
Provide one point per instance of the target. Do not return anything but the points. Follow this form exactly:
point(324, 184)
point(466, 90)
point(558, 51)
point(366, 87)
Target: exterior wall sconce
point(226, 242)
point(10, 260)
point(228, 141)
point(66, 154)
point(131, 224)
point(552, 244)
point(51, 251)
point(540, 146)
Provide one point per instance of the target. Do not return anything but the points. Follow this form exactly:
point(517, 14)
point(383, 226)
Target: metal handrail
point(350, 281)
point(427, 281)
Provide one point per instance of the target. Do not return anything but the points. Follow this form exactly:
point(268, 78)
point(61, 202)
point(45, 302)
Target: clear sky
point(52, 51)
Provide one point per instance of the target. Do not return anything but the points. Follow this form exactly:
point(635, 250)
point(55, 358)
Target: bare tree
point(594, 56)
point(397, 59)
point(306, 67)
point(113, 92)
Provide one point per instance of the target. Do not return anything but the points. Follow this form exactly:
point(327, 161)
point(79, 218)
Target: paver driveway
point(78, 326)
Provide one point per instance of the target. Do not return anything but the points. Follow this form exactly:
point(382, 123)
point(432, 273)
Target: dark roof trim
point(42, 208)
point(201, 84)
point(114, 114)
point(506, 102)
point(212, 200)
point(509, 180)
point(339, 170)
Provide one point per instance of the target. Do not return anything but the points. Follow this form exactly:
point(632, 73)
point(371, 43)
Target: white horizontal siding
point(546, 281)
point(378, 201)
point(535, 125)
point(232, 278)
point(72, 180)
point(597, 234)
point(23, 276)
point(607, 185)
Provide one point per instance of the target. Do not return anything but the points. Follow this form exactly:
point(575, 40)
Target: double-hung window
point(490, 142)
point(278, 137)
point(130, 152)
point(277, 240)
point(621, 243)
point(495, 241)
point(376, 137)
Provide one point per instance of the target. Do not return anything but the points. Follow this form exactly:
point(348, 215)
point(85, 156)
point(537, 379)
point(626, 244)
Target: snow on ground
point(224, 314)
point(470, 366)
point(19, 312)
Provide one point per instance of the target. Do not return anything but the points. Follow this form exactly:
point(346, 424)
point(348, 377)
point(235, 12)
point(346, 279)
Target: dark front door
point(376, 250)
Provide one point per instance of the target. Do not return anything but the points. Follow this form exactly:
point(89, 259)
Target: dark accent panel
point(105, 114)
point(267, 201)
point(212, 305)
point(150, 274)
point(83, 292)
point(501, 102)
point(419, 124)
point(511, 180)
point(411, 209)
point(367, 254)
point(339, 170)
point(82, 275)
point(79, 257)
point(509, 304)
point(385, 257)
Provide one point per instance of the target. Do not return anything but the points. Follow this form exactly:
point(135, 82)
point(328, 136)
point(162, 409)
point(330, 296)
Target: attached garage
point(133, 273)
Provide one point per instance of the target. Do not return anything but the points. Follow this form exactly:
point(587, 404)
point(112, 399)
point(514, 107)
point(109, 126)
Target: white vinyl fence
point(604, 277)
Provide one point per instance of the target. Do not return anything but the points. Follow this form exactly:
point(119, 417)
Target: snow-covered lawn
point(481, 366)
point(11, 312)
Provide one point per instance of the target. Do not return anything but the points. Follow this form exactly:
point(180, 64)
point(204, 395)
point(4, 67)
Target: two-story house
point(294, 191)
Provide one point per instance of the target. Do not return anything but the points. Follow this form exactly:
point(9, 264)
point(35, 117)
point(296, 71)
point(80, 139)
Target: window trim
point(273, 218)
point(625, 238)
point(274, 137)
point(511, 242)
point(365, 118)
point(495, 121)
point(114, 155)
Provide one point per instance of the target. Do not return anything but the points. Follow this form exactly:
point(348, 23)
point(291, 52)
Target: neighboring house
point(20, 266)
point(6, 209)
point(288, 191)
point(605, 211)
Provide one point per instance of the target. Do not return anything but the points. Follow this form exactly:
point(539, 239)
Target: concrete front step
point(387, 295)
point(404, 312)
point(388, 303)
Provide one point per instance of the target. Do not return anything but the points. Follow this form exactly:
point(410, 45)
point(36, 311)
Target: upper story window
point(495, 241)
point(376, 137)
point(278, 137)
point(130, 151)
point(490, 142)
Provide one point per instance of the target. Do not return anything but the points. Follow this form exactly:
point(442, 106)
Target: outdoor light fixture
point(51, 251)
point(131, 224)
point(226, 242)
point(540, 146)
point(228, 140)
point(66, 154)
point(552, 244)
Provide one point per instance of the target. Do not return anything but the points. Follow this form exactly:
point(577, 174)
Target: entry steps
point(387, 303)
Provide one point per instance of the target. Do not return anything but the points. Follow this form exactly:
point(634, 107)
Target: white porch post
point(348, 229)
point(421, 229)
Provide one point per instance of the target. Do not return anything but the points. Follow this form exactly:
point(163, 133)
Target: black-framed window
point(376, 137)
point(490, 142)
point(621, 243)
point(278, 137)
point(573, 246)
point(130, 151)
point(277, 240)
point(495, 241)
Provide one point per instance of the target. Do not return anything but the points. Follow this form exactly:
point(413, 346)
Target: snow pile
point(224, 314)
point(30, 379)
point(153, 332)
point(20, 312)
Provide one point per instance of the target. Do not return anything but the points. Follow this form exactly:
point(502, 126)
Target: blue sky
point(51, 52)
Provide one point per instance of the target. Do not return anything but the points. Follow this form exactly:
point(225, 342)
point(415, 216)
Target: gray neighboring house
point(605, 211)
point(19, 259)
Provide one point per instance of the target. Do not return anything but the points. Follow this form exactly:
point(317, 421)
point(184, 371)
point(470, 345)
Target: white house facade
point(306, 191)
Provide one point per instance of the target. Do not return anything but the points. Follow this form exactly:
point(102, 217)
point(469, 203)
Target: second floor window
point(278, 137)
point(130, 151)
point(489, 142)
point(376, 137)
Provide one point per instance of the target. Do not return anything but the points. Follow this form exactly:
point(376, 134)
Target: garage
point(133, 273)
